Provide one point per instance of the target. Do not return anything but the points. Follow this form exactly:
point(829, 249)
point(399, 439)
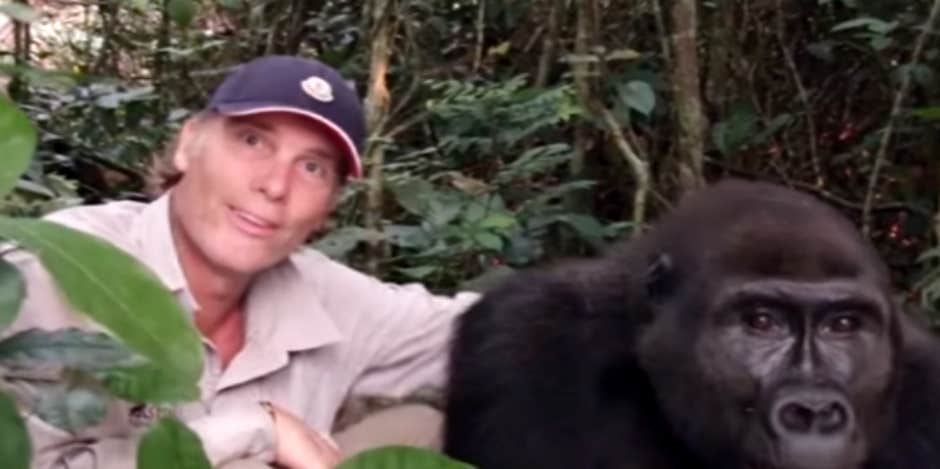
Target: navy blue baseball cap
point(299, 86)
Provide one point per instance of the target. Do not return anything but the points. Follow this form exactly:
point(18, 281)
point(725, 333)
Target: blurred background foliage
point(508, 133)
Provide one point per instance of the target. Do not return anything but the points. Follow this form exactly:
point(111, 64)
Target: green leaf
point(872, 24)
point(587, 227)
point(417, 273)
point(15, 446)
point(413, 195)
point(488, 240)
point(230, 4)
point(67, 348)
point(338, 243)
point(70, 409)
point(16, 145)
point(182, 12)
point(639, 96)
point(148, 383)
point(171, 444)
point(407, 236)
point(39, 77)
point(12, 291)
point(114, 289)
point(19, 11)
point(498, 221)
point(401, 457)
point(928, 113)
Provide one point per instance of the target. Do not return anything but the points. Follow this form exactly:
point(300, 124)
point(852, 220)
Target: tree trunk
point(692, 121)
point(377, 106)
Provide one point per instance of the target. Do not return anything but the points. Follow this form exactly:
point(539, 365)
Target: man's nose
point(273, 180)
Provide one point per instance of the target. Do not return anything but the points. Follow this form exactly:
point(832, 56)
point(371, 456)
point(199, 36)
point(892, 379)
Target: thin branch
point(481, 30)
point(803, 95)
point(583, 44)
point(895, 114)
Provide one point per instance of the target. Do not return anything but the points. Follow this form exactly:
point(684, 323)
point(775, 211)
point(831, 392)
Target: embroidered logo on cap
point(318, 88)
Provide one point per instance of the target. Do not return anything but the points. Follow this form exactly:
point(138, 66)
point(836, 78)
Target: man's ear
point(187, 140)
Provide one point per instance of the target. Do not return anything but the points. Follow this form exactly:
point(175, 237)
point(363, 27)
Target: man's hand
point(300, 447)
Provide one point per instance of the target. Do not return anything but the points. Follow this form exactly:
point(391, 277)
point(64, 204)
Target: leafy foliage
point(170, 444)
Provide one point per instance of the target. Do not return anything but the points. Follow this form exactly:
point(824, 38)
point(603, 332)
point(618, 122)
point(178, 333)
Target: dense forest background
point(509, 133)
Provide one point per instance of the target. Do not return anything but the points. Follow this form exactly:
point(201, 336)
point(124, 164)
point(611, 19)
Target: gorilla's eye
point(761, 320)
point(843, 324)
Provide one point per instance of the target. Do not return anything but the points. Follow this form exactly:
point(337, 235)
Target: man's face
point(254, 188)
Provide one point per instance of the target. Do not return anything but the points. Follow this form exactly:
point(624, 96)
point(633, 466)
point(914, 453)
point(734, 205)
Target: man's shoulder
point(110, 220)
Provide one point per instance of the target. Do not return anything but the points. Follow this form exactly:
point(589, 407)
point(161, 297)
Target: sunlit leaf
point(17, 144)
point(171, 444)
point(148, 383)
point(400, 457)
point(639, 96)
point(417, 273)
point(488, 240)
point(15, 447)
point(12, 291)
point(498, 221)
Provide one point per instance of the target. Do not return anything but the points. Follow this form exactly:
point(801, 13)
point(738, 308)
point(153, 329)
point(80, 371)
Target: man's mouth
point(251, 224)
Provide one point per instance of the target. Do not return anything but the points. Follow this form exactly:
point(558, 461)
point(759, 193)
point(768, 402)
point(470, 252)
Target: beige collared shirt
point(316, 332)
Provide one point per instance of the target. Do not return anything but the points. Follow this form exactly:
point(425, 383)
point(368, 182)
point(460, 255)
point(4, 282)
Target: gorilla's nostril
point(797, 418)
point(832, 418)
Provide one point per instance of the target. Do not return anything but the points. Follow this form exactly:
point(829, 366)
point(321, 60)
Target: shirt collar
point(283, 311)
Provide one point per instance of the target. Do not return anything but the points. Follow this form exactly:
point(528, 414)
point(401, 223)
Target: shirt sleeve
point(401, 332)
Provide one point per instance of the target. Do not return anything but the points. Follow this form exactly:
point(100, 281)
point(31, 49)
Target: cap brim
point(351, 152)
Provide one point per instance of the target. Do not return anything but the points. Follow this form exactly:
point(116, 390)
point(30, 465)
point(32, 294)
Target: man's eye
point(312, 167)
point(251, 139)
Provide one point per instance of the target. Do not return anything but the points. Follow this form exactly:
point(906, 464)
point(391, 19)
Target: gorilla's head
point(772, 333)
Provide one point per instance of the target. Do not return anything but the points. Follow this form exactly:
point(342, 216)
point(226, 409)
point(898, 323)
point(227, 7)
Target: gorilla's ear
point(660, 276)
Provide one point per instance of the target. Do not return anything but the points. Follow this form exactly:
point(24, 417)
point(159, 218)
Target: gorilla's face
point(775, 352)
point(804, 365)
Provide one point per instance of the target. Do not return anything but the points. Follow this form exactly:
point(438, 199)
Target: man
point(288, 333)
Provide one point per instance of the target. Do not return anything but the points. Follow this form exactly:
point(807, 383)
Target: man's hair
point(163, 174)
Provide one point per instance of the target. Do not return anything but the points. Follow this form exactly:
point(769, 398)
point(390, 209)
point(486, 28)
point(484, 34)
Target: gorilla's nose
point(811, 412)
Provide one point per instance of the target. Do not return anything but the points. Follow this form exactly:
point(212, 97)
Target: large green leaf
point(15, 447)
point(70, 409)
point(171, 444)
point(67, 348)
point(148, 383)
point(115, 290)
point(639, 96)
point(401, 457)
point(17, 143)
point(182, 12)
point(11, 293)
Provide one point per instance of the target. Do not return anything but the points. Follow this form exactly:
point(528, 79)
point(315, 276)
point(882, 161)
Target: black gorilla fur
point(690, 346)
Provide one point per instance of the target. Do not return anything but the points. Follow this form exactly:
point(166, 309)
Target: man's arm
point(403, 331)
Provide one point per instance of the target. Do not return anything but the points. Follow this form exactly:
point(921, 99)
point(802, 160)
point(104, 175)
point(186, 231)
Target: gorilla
point(750, 328)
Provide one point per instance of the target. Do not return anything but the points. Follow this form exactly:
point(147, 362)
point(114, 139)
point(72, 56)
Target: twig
point(895, 114)
point(801, 92)
point(481, 29)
